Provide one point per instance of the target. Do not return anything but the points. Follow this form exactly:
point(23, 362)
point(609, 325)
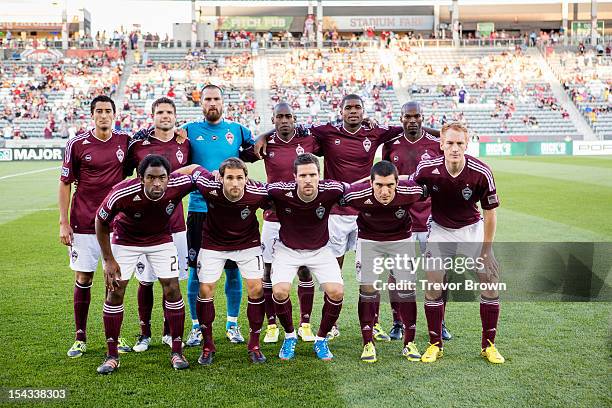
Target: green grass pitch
point(558, 354)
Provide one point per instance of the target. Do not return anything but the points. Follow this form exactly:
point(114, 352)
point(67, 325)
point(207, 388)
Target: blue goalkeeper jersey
point(210, 145)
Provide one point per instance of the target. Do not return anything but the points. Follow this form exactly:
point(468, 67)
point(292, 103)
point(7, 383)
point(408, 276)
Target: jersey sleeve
point(248, 155)
point(183, 183)
point(247, 137)
point(387, 134)
point(352, 192)
point(71, 164)
point(410, 191)
point(488, 197)
point(110, 206)
point(204, 181)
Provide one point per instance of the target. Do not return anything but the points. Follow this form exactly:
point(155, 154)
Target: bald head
point(284, 120)
point(412, 119)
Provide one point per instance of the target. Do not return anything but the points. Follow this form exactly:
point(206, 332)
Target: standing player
point(160, 140)
point(303, 209)
point(94, 161)
point(406, 152)
point(283, 147)
point(212, 141)
point(457, 182)
point(231, 232)
point(139, 211)
point(384, 232)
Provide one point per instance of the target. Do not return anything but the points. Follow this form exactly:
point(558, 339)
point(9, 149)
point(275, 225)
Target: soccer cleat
point(432, 353)
point(333, 333)
point(411, 352)
point(321, 348)
point(305, 332)
point(109, 365)
point(272, 333)
point(142, 344)
point(233, 335)
point(256, 356)
point(287, 351)
point(78, 349)
point(206, 358)
point(369, 353)
point(178, 361)
point(397, 331)
point(446, 335)
point(491, 354)
point(379, 334)
point(167, 340)
point(123, 346)
point(195, 338)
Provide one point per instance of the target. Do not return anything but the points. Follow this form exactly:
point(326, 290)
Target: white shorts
point(211, 263)
point(143, 269)
point(269, 235)
point(342, 233)
point(162, 258)
point(421, 238)
point(371, 260)
point(445, 242)
point(84, 253)
point(321, 263)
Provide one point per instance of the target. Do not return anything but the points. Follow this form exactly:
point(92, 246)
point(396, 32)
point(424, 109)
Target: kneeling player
point(140, 210)
point(303, 209)
point(457, 182)
point(384, 232)
point(230, 232)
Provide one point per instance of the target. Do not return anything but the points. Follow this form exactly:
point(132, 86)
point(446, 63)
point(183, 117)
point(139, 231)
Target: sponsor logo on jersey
point(425, 156)
point(396, 142)
point(137, 215)
point(435, 171)
point(245, 213)
point(86, 142)
point(288, 210)
point(400, 213)
point(299, 149)
point(140, 267)
point(271, 154)
point(170, 208)
point(199, 138)
point(88, 157)
point(467, 193)
point(120, 154)
point(214, 138)
point(192, 255)
point(289, 194)
point(337, 142)
point(229, 136)
point(367, 214)
point(214, 193)
point(395, 158)
point(179, 156)
point(435, 188)
point(65, 171)
point(492, 199)
point(103, 214)
point(368, 201)
point(146, 142)
point(367, 144)
point(136, 198)
point(320, 212)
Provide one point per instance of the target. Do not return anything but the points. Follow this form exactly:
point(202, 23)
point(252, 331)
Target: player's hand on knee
point(491, 266)
point(65, 234)
point(112, 275)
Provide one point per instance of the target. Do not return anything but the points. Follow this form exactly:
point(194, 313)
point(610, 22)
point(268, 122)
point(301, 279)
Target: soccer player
point(139, 211)
point(284, 146)
point(457, 182)
point(406, 152)
point(384, 232)
point(303, 208)
point(231, 232)
point(212, 140)
point(160, 140)
point(94, 161)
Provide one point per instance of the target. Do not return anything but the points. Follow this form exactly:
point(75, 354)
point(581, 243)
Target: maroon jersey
point(280, 157)
point(230, 225)
point(453, 199)
point(95, 166)
point(406, 155)
point(177, 155)
point(349, 156)
point(378, 222)
point(138, 220)
point(304, 225)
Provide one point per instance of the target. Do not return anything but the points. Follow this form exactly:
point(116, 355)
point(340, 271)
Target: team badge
point(74, 255)
point(467, 193)
point(271, 154)
point(88, 157)
point(337, 142)
point(245, 213)
point(320, 212)
point(367, 144)
point(192, 254)
point(395, 158)
point(120, 155)
point(299, 149)
point(229, 136)
point(179, 156)
point(65, 171)
point(400, 213)
point(140, 267)
point(103, 214)
point(169, 208)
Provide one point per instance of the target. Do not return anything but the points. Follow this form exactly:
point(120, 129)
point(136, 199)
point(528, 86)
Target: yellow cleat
point(379, 333)
point(305, 332)
point(272, 333)
point(491, 354)
point(411, 352)
point(369, 353)
point(432, 353)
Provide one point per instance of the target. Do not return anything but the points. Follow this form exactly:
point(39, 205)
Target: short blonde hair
point(458, 126)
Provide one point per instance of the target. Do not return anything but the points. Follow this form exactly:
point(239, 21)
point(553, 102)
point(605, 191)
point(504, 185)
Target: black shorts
point(195, 221)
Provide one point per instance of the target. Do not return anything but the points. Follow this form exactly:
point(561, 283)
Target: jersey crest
point(179, 156)
point(320, 212)
point(229, 136)
point(120, 154)
point(467, 193)
point(245, 213)
point(299, 149)
point(367, 144)
point(170, 208)
point(400, 213)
